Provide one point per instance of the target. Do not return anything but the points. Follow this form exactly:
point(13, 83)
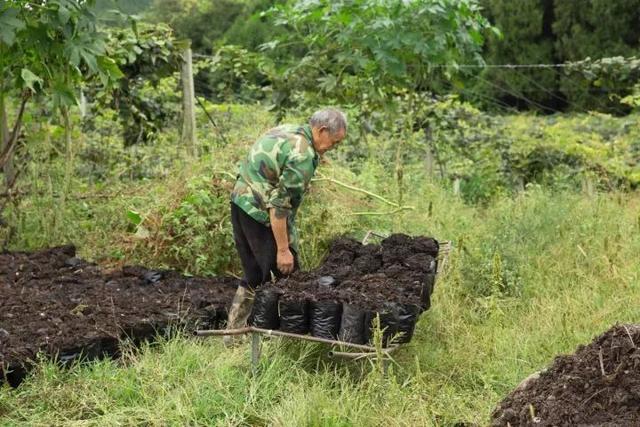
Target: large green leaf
point(29, 79)
point(63, 95)
point(134, 217)
point(109, 70)
point(9, 25)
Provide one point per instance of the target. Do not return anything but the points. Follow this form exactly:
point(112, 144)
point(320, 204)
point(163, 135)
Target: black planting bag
point(407, 318)
point(427, 290)
point(388, 323)
point(265, 309)
point(89, 351)
point(325, 319)
point(294, 316)
point(352, 324)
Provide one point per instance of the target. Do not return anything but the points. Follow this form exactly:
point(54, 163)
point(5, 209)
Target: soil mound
point(598, 385)
point(354, 284)
point(369, 274)
point(55, 303)
point(63, 306)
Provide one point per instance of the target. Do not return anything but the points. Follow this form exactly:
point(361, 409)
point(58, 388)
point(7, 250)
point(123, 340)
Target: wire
point(213, 122)
point(516, 95)
point(538, 85)
point(479, 66)
point(496, 102)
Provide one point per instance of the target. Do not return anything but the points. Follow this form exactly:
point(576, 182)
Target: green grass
point(567, 270)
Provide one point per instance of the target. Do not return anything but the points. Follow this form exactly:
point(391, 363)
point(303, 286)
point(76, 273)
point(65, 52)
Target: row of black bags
point(338, 320)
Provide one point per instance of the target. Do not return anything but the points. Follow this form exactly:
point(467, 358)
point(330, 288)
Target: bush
point(198, 230)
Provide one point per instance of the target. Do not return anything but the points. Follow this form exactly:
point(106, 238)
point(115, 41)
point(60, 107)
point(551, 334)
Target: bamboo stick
point(269, 332)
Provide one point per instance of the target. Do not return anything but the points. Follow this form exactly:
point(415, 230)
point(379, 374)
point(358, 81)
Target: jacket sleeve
point(294, 180)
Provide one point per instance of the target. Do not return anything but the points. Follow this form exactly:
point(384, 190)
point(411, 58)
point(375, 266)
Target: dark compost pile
point(53, 302)
point(355, 284)
point(598, 385)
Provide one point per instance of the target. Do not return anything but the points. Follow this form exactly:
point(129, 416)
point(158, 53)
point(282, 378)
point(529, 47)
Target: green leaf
point(29, 79)
point(328, 83)
point(63, 95)
point(109, 69)
point(63, 15)
point(9, 25)
point(476, 37)
point(90, 60)
point(134, 217)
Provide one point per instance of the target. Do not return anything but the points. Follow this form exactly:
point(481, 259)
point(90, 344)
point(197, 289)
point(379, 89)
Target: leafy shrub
point(232, 74)
point(199, 234)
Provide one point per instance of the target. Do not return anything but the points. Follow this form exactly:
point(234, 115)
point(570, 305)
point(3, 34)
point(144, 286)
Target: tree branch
point(395, 211)
point(359, 190)
point(6, 152)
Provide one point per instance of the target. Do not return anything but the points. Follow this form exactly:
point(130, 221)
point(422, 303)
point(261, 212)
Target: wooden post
point(83, 104)
point(255, 352)
point(429, 158)
point(456, 186)
point(587, 185)
point(188, 104)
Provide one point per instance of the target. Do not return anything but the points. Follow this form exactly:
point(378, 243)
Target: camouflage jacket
point(276, 174)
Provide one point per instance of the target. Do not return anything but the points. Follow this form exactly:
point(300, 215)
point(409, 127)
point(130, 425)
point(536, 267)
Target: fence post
point(456, 186)
point(587, 185)
point(188, 104)
point(429, 158)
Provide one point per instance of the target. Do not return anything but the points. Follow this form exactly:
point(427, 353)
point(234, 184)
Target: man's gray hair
point(333, 119)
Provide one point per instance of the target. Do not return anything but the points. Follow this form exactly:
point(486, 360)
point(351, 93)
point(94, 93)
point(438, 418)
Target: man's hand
point(284, 257)
point(284, 260)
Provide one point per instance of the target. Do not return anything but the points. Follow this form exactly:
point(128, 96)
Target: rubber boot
point(239, 313)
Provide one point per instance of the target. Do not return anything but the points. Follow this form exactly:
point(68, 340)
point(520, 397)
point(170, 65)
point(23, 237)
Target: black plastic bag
point(325, 319)
point(388, 323)
point(352, 324)
point(407, 318)
point(427, 290)
point(426, 245)
point(91, 350)
point(265, 309)
point(294, 316)
point(152, 277)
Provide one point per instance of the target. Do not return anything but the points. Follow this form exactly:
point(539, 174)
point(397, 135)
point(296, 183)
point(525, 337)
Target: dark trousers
point(257, 249)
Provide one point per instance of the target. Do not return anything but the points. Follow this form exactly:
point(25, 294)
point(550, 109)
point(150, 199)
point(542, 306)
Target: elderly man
point(268, 191)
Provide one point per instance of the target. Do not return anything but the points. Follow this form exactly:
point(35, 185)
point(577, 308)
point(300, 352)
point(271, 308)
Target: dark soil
point(598, 385)
point(390, 280)
point(58, 304)
point(367, 275)
point(55, 303)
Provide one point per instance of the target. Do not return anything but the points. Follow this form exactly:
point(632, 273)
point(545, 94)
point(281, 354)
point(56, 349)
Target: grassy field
point(531, 275)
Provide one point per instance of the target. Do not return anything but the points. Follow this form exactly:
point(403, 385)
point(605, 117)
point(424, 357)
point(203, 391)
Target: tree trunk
point(8, 170)
point(7, 149)
point(69, 155)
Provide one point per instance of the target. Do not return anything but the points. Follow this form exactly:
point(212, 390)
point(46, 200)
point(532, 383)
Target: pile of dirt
point(55, 303)
point(597, 385)
point(63, 306)
point(369, 275)
point(355, 283)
